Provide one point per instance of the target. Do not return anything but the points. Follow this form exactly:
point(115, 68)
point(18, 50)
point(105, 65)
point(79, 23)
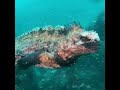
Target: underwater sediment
point(54, 46)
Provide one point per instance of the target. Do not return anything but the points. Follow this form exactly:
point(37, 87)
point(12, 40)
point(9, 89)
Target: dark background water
point(88, 73)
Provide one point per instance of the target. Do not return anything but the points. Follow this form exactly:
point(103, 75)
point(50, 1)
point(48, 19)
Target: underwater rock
point(99, 25)
point(54, 46)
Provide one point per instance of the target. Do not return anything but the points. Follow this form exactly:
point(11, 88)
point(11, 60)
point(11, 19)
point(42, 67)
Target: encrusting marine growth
point(54, 46)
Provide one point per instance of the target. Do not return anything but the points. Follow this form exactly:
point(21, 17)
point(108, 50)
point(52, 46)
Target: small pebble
point(81, 85)
point(88, 86)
